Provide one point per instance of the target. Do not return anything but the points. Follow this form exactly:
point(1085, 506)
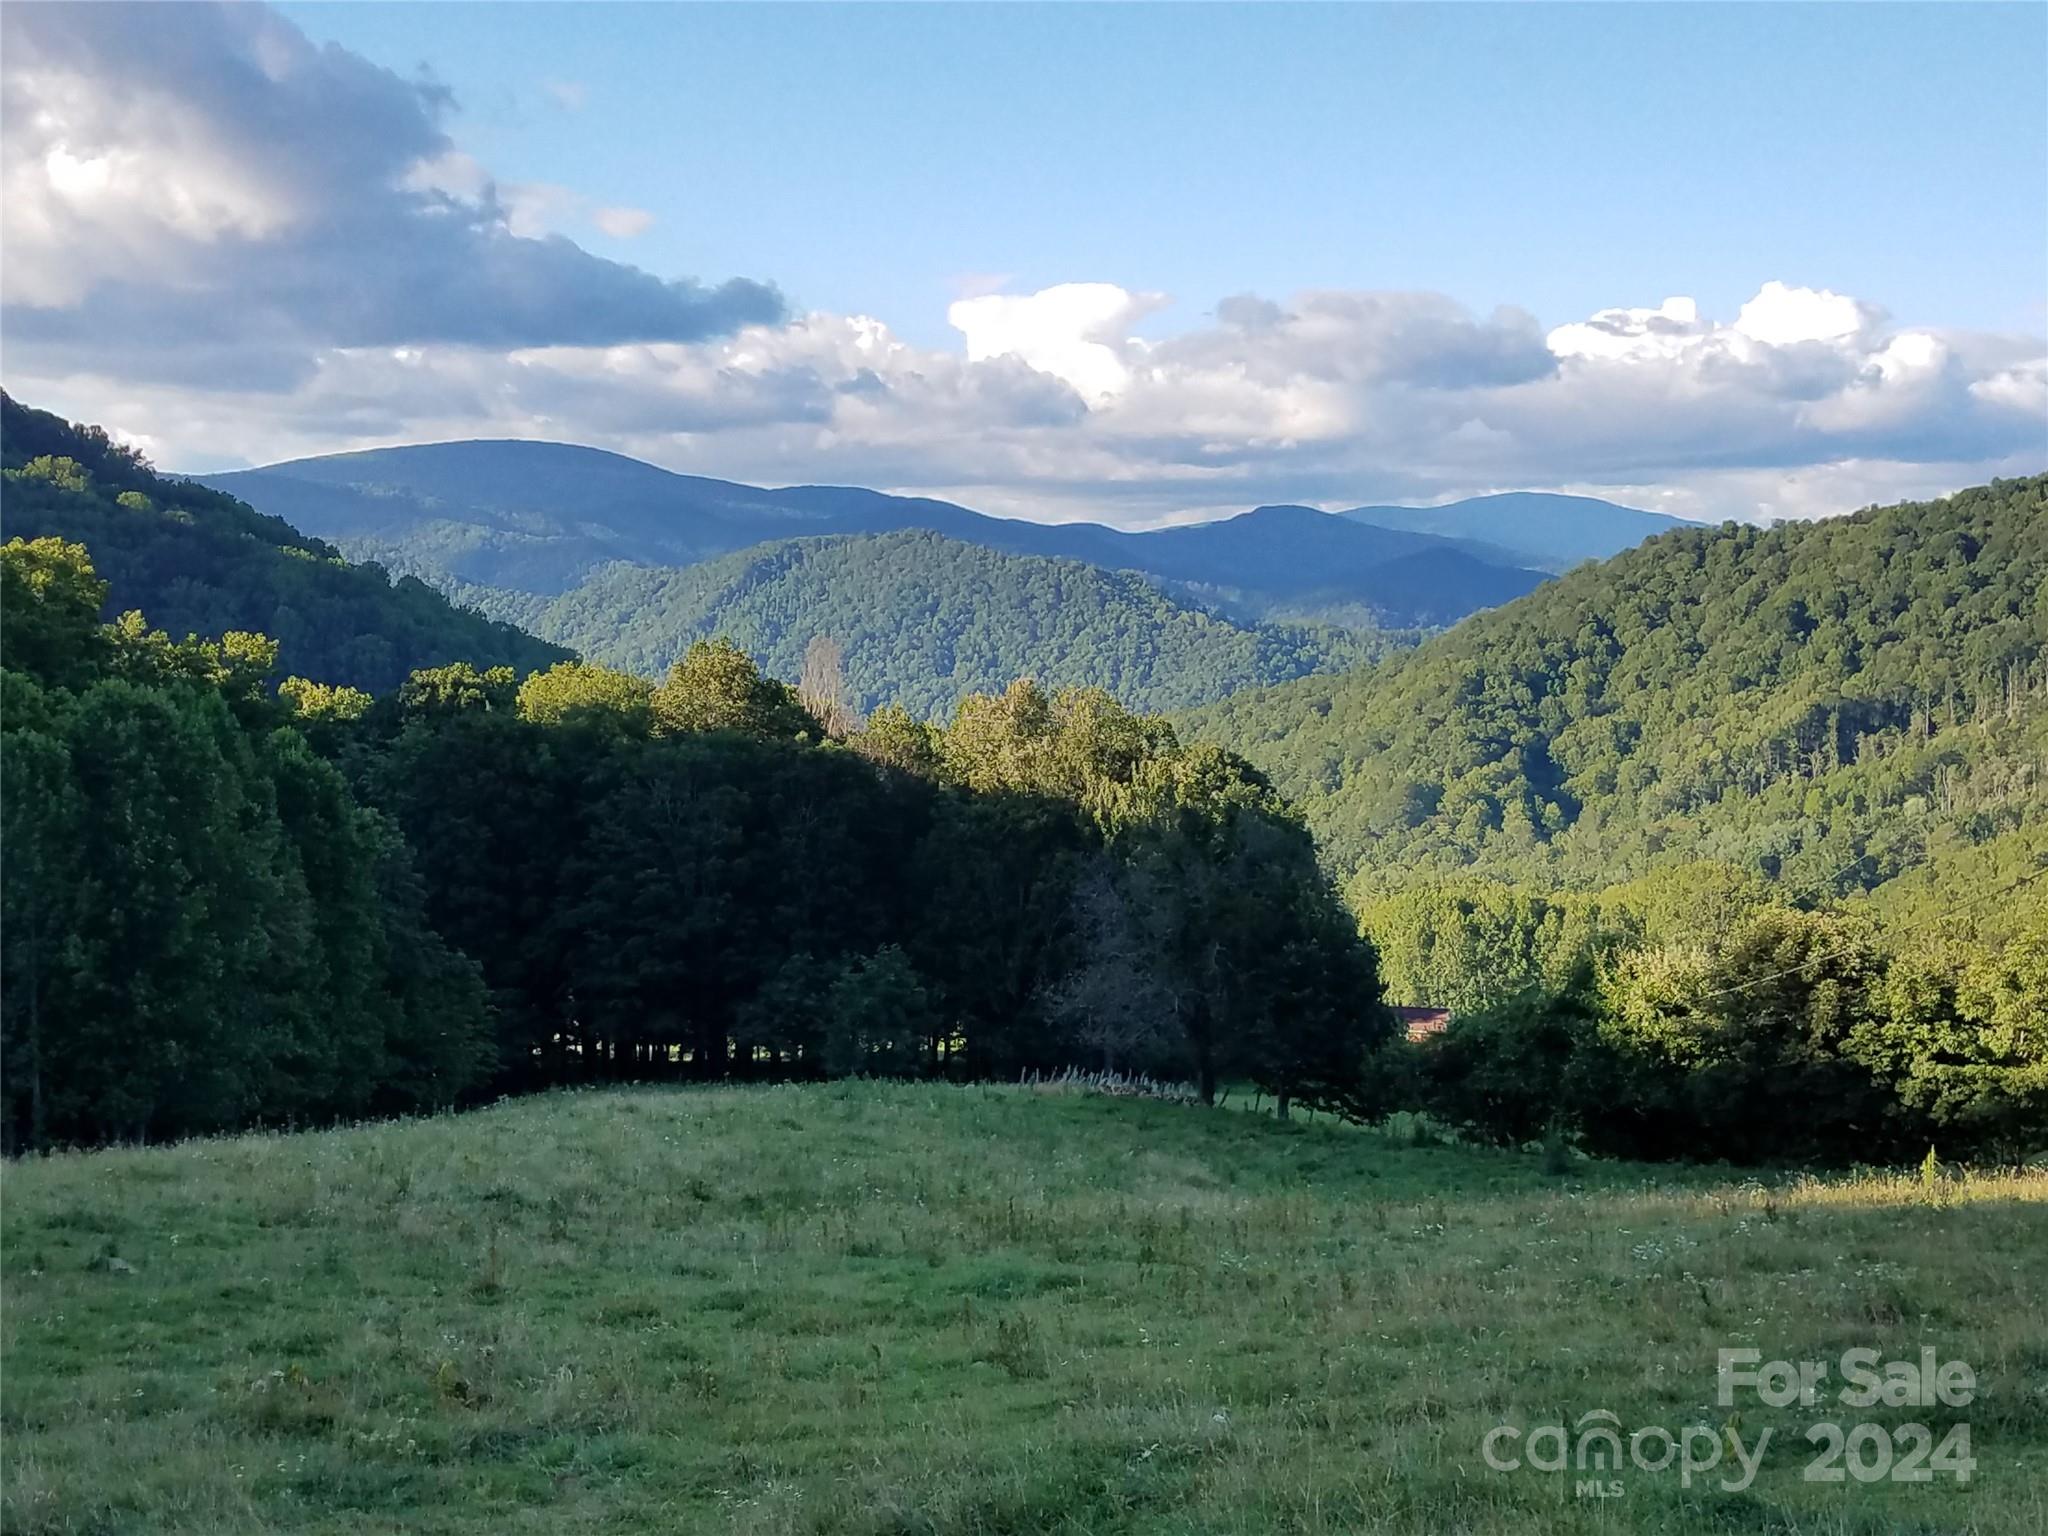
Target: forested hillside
point(1825, 703)
point(541, 517)
point(199, 562)
point(1736, 845)
point(1732, 847)
point(924, 621)
point(225, 904)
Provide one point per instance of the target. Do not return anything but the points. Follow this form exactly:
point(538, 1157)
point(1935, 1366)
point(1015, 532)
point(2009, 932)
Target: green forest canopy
point(924, 621)
point(1828, 703)
point(1736, 845)
point(225, 905)
point(198, 562)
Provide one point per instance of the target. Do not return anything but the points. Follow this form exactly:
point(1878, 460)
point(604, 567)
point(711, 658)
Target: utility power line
point(1813, 960)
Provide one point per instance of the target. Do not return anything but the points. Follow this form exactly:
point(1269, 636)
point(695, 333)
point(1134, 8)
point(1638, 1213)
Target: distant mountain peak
point(1275, 511)
point(1548, 529)
point(538, 517)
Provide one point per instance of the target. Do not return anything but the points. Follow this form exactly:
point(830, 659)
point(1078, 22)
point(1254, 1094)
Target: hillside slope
point(1826, 702)
point(875, 1307)
point(197, 561)
point(924, 620)
point(540, 517)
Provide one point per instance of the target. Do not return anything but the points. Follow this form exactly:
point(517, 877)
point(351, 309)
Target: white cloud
point(1897, 384)
point(452, 174)
point(2022, 389)
point(1631, 335)
point(1331, 398)
point(623, 223)
point(1078, 332)
point(1783, 316)
point(536, 209)
point(96, 180)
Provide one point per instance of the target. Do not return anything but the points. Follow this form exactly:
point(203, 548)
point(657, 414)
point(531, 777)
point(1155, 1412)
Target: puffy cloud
point(237, 247)
point(1782, 316)
point(1632, 335)
point(1329, 398)
point(1779, 316)
point(623, 223)
point(533, 210)
point(1078, 332)
point(1418, 340)
point(199, 192)
point(2022, 389)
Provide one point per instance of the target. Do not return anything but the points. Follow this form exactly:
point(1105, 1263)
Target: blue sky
point(1564, 158)
point(1139, 264)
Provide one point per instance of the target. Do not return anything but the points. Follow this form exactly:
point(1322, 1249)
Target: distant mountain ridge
point(921, 619)
point(1539, 528)
point(539, 517)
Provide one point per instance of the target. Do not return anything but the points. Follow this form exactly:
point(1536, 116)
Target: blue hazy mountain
point(540, 517)
point(1552, 533)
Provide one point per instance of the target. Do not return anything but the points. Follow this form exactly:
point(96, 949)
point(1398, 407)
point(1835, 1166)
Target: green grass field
point(876, 1308)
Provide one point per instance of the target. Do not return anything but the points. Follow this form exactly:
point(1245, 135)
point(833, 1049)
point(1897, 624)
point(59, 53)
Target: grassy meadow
point(913, 1308)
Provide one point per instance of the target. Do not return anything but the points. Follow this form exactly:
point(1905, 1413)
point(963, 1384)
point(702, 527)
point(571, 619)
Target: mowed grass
point(917, 1308)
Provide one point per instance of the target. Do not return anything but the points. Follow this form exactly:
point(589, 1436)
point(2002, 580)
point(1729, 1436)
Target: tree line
point(231, 904)
point(1695, 1014)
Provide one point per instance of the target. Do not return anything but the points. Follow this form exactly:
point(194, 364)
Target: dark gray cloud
point(201, 192)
